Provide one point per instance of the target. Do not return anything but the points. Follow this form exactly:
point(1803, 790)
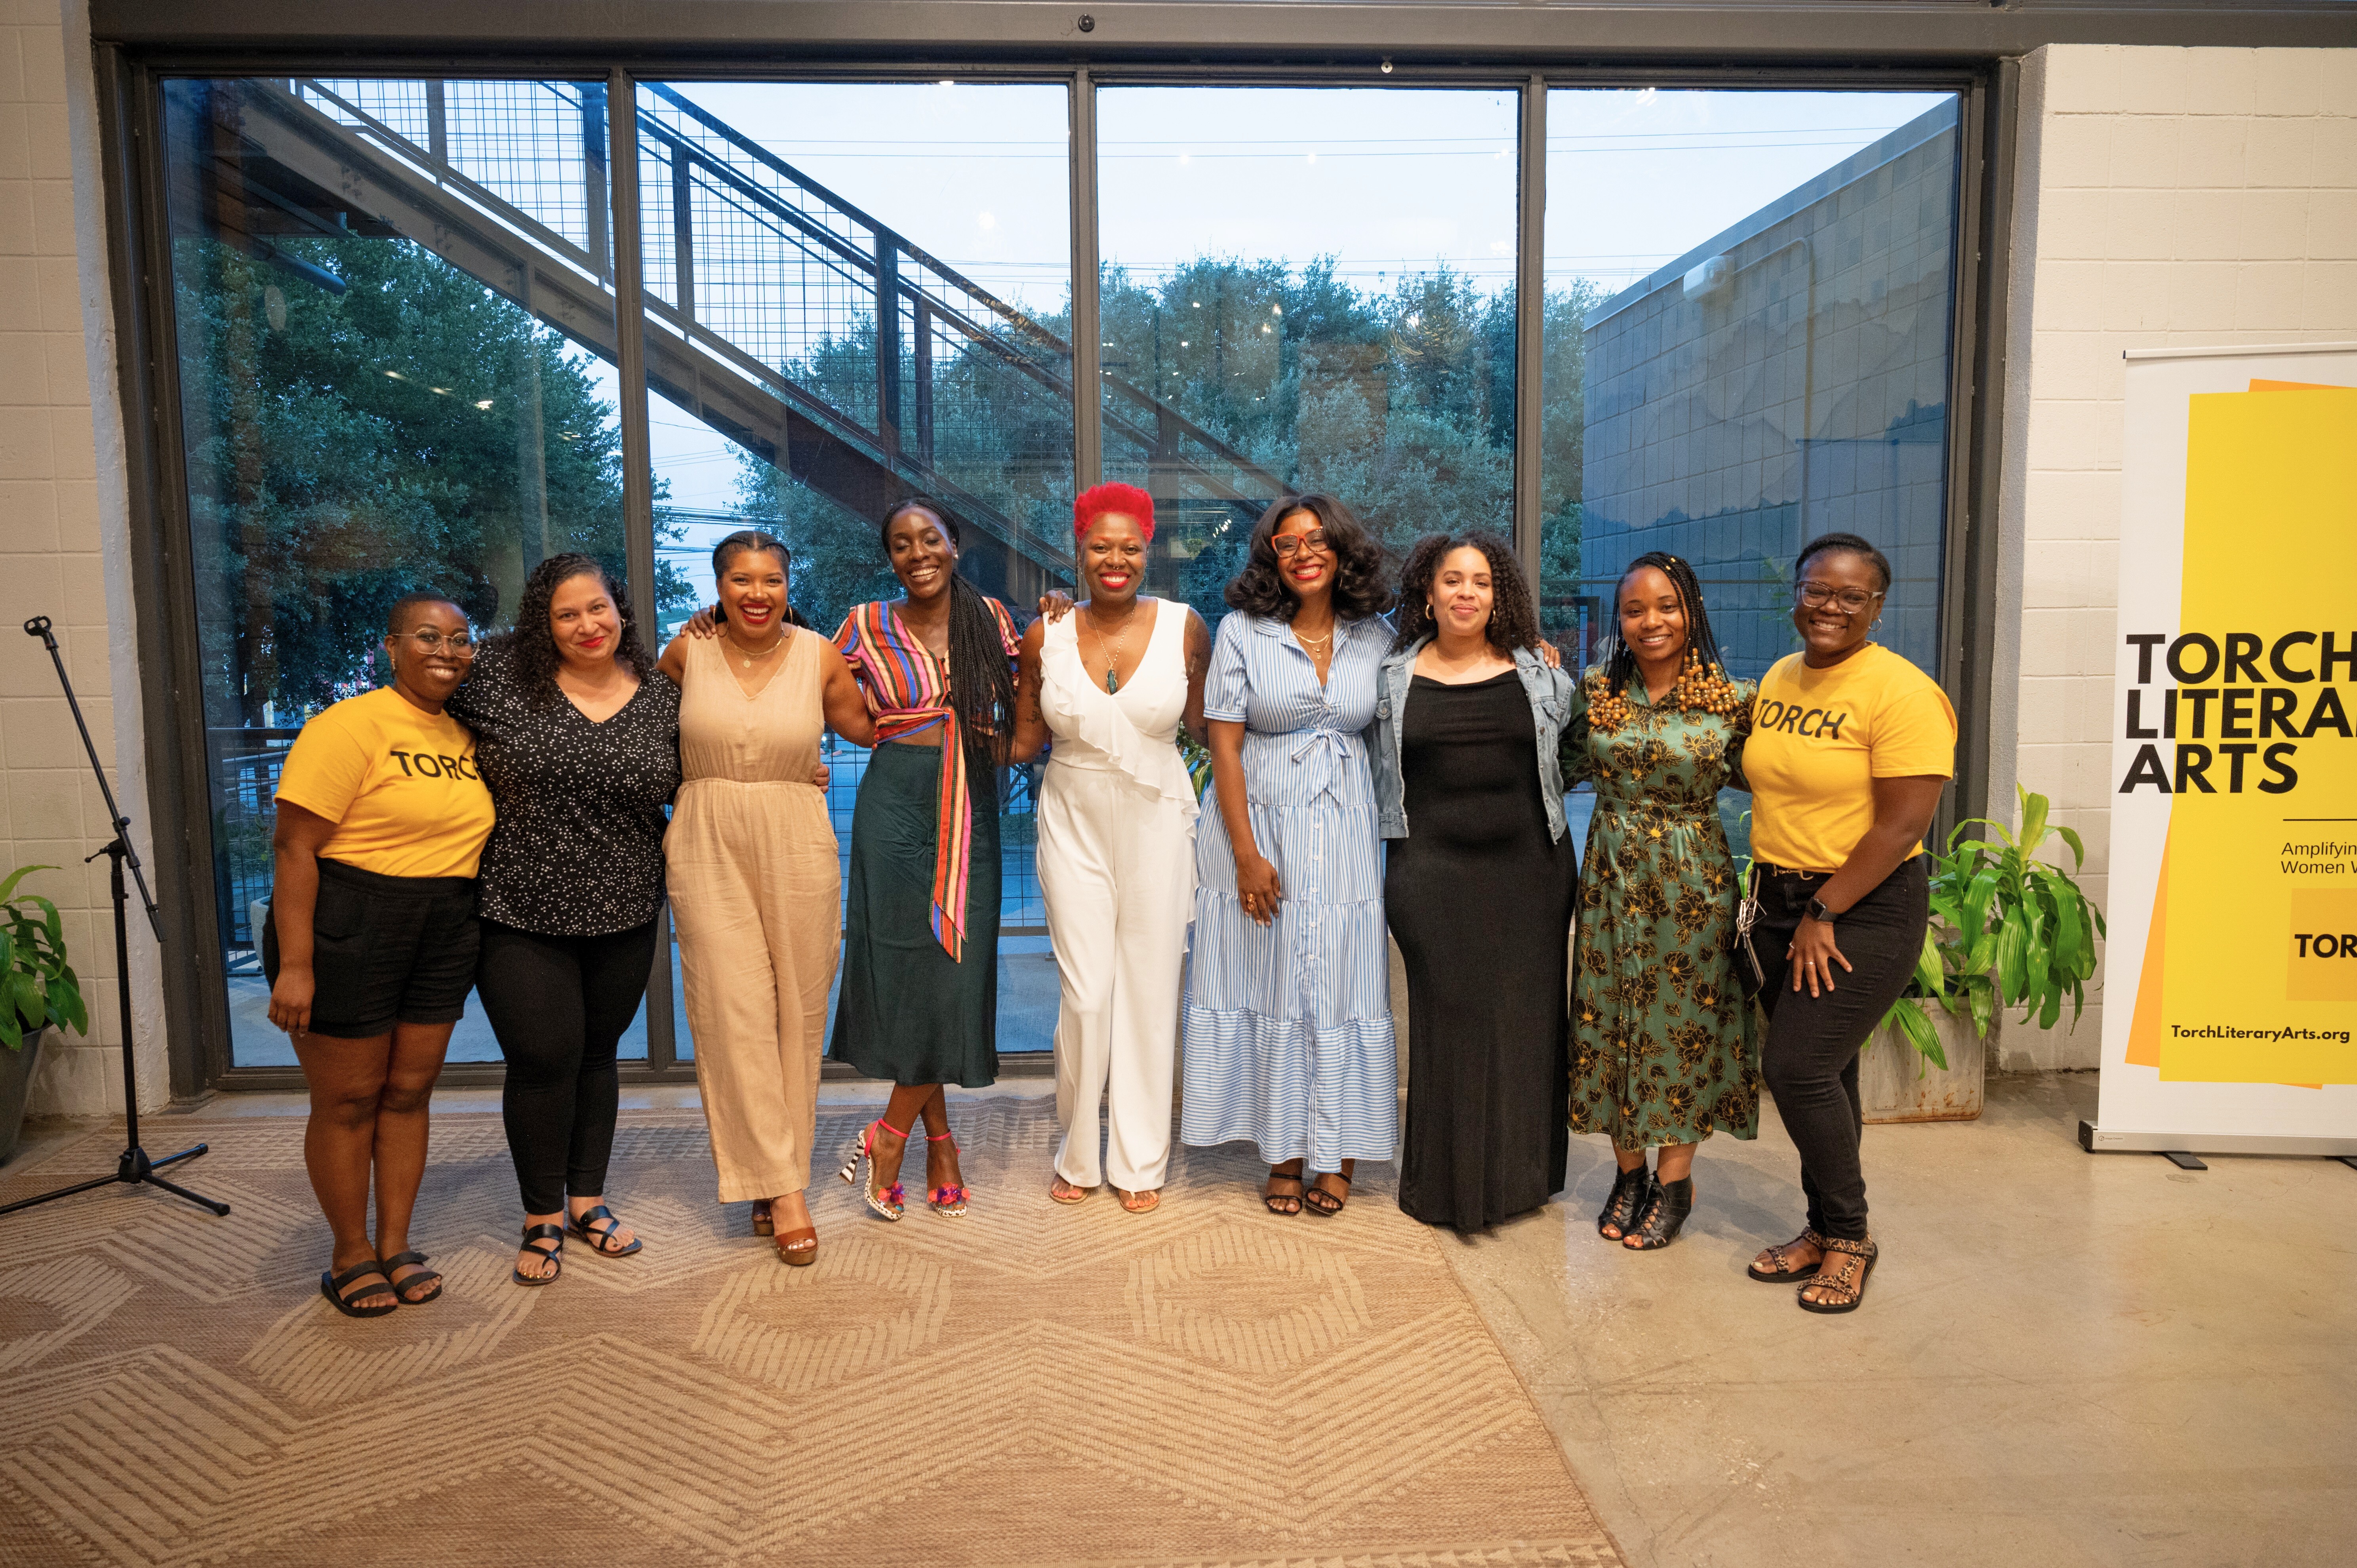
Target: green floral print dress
point(1660, 1047)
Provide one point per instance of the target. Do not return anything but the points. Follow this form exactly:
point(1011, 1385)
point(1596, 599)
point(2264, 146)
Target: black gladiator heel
point(1630, 1190)
point(1665, 1215)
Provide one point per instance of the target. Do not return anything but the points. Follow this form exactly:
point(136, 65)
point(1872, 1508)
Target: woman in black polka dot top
point(577, 734)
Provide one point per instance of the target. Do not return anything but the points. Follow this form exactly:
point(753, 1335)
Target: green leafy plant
point(1199, 762)
point(37, 986)
point(2007, 930)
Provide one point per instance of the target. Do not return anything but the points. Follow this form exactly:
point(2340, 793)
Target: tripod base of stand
point(131, 1168)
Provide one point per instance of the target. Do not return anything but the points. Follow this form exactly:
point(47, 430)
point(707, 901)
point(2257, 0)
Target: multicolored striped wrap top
point(908, 690)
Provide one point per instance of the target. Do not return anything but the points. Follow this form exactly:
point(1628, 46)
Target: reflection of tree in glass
point(1399, 402)
point(999, 434)
point(414, 431)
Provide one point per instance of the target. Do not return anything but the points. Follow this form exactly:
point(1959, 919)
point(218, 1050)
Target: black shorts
point(385, 950)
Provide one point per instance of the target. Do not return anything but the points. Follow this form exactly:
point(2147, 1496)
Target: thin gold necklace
point(748, 659)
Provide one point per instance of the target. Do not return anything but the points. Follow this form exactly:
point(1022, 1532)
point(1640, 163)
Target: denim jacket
point(1556, 702)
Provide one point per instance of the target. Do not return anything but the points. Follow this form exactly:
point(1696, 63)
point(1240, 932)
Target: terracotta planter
point(16, 1082)
point(1898, 1083)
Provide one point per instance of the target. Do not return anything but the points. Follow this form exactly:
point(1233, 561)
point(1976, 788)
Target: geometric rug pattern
point(1032, 1384)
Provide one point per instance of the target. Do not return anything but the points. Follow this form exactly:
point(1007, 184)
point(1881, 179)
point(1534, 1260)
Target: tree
point(415, 430)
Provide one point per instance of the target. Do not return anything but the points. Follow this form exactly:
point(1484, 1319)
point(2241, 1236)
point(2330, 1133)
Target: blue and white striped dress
point(1290, 1036)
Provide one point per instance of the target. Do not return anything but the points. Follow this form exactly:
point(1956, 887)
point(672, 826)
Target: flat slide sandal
point(542, 1233)
point(402, 1288)
point(333, 1286)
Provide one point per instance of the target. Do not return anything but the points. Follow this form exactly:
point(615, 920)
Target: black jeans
point(1810, 1059)
point(559, 1005)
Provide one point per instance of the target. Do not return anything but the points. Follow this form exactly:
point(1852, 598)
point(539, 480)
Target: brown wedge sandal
point(1843, 1284)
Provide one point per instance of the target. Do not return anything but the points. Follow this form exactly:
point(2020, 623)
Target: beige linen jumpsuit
point(757, 898)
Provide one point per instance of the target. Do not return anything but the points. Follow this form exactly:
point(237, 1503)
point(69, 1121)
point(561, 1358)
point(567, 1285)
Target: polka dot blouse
point(578, 850)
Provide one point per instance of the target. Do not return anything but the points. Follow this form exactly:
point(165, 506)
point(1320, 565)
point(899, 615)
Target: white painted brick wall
point(2165, 197)
point(63, 538)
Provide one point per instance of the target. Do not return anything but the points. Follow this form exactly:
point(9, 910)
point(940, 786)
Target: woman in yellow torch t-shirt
point(370, 945)
point(1850, 745)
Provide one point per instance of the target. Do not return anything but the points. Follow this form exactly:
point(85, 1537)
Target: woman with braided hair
point(1659, 1051)
point(920, 1002)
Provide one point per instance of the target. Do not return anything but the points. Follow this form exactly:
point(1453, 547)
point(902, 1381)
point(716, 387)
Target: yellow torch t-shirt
point(1821, 737)
point(398, 782)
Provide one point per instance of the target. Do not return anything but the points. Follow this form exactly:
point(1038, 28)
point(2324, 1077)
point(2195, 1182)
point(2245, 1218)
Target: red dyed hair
point(1098, 500)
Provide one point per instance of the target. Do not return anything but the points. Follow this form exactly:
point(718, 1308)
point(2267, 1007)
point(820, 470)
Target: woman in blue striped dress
point(1288, 1031)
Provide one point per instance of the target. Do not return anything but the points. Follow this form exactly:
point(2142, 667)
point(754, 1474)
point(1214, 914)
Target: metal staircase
point(764, 292)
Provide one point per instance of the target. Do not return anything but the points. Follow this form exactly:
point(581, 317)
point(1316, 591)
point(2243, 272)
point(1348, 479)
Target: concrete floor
point(2063, 1358)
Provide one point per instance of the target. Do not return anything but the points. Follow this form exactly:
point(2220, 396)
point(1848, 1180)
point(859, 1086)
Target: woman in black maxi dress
point(1479, 890)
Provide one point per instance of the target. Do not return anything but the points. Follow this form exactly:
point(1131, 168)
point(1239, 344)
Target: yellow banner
point(2250, 713)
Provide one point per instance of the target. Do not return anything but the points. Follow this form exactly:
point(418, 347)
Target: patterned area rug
point(1029, 1385)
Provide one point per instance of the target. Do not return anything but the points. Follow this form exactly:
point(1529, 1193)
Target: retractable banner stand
point(2231, 1001)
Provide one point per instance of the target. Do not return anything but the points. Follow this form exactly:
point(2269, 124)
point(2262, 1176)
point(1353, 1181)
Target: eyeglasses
point(461, 644)
point(1816, 596)
point(1286, 543)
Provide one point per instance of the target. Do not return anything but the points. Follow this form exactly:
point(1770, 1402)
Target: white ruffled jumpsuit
point(1117, 868)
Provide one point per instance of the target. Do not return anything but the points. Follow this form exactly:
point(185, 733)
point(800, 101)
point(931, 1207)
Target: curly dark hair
point(1362, 567)
point(534, 647)
point(1513, 620)
point(981, 685)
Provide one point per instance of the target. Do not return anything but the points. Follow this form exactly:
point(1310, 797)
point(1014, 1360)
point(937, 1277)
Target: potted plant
point(2007, 930)
point(38, 992)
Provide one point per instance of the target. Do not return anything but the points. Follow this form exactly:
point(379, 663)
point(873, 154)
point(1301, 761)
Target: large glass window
point(1746, 344)
point(389, 299)
point(857, 293)
point(1305, 289)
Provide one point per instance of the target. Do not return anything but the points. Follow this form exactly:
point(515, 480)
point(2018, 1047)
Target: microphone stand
point(134, 1166)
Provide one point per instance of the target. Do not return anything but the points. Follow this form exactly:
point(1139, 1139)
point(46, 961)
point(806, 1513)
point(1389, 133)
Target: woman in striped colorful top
point(919, 998)
point(1288, 1019)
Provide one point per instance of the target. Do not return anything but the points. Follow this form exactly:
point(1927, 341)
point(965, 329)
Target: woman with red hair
point(1112, 681)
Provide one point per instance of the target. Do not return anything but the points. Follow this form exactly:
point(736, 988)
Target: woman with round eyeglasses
point(1850, 746)
point(1288, 1022)
point(371, 941)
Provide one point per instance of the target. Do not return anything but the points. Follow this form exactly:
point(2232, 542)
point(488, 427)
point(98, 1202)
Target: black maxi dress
point(1480, 899)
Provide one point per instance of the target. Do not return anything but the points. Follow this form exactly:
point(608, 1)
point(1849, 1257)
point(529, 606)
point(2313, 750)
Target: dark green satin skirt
point(908, 1012)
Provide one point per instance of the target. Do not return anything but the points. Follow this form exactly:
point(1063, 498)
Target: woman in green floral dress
point(1660, 1051)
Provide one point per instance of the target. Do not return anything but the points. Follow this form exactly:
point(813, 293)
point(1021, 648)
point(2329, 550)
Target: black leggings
point(1810, 1061)
point(559, 1005)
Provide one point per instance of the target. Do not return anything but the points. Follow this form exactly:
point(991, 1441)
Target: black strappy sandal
point(542, 1233)
point(332, 1287)
point(1318, 1200)
point(1667, 1204)
point(1779, 1271)
point(1845, 1280)
point(1630, 1190)
point(1293, 1197)
point(584, 1225)
point(402, 1288)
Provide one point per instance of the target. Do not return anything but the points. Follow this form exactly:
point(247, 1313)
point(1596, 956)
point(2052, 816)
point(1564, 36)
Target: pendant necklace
point(748, 659)
point(1112, 681)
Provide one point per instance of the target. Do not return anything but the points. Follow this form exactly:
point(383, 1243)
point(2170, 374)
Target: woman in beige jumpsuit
point(755, 879)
